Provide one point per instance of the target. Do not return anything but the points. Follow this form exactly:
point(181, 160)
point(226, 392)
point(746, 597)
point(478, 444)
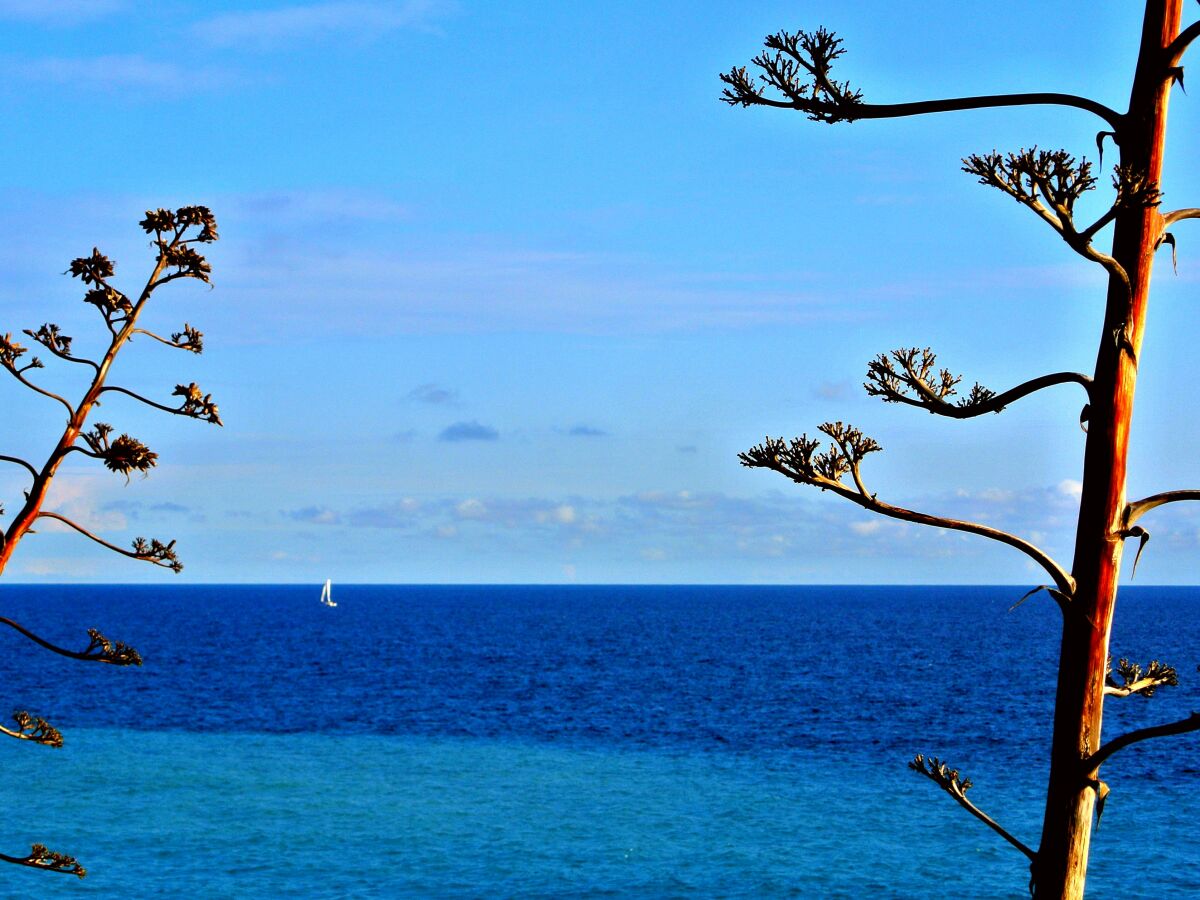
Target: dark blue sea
point(600, 742)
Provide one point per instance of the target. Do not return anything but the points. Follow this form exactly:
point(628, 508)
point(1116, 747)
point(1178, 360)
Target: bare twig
point(951, 781)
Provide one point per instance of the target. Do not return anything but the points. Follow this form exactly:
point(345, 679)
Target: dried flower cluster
point(124, 454)
point(908, 375)
point(156, 552)
point(34, 728)
point(799, 461)
point(1136, 681)
point(41, 858)
point(949, 779)
point(798, 67)
point(196, 403)
point(101, 649)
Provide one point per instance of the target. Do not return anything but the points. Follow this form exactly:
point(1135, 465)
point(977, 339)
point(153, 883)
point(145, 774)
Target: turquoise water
point(255, 815)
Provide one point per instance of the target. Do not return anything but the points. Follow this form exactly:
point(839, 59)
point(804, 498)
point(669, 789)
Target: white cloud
point(115, 72)
point(865, 528)
point(287, 26)
point(1069, 487)
point(471, 509)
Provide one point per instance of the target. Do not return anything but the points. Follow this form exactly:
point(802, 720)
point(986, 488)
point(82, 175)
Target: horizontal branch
point(1183, 726)
point(851, 113)
point(195, 405)
point(41, 858)
point(949, 780)
point(99, 648)
point(1138, 508)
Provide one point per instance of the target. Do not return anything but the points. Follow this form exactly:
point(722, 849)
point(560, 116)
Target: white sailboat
point(327, 593)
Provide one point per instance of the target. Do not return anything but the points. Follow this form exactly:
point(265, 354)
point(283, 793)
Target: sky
point(503, 289)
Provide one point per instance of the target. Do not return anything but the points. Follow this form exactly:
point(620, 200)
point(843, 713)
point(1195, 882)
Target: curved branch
point(1062, 579)
point(33, 387)
point(100, 648)
point(797, 463)
point(1138, 508)
point(162, 555)
point(146, 400)
point(1183, 726)
point(994, 404)
point(20, 462)
point(1175, 50)
point(49, 345)
point(1179, 215)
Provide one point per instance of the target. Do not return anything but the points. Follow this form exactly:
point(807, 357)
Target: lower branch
point(950, 781)
point(33, 728)
point(1183, 726)
point(99, 649)
point(41, 858)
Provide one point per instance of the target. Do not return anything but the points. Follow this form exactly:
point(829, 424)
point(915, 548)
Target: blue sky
point(503, 289)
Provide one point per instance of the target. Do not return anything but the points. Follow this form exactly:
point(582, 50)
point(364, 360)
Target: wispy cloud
point(60, 13)
point(287, 26)
point(434, 394)
point(314, 515)
point(468, 431)
point(586, 431)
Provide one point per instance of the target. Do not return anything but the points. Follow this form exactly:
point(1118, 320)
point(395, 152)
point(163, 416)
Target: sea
point(574, 742)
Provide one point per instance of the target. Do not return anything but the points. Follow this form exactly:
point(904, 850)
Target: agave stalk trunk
point(1061, 865)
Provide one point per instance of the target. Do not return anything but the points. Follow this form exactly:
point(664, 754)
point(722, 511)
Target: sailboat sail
point(327, 593)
